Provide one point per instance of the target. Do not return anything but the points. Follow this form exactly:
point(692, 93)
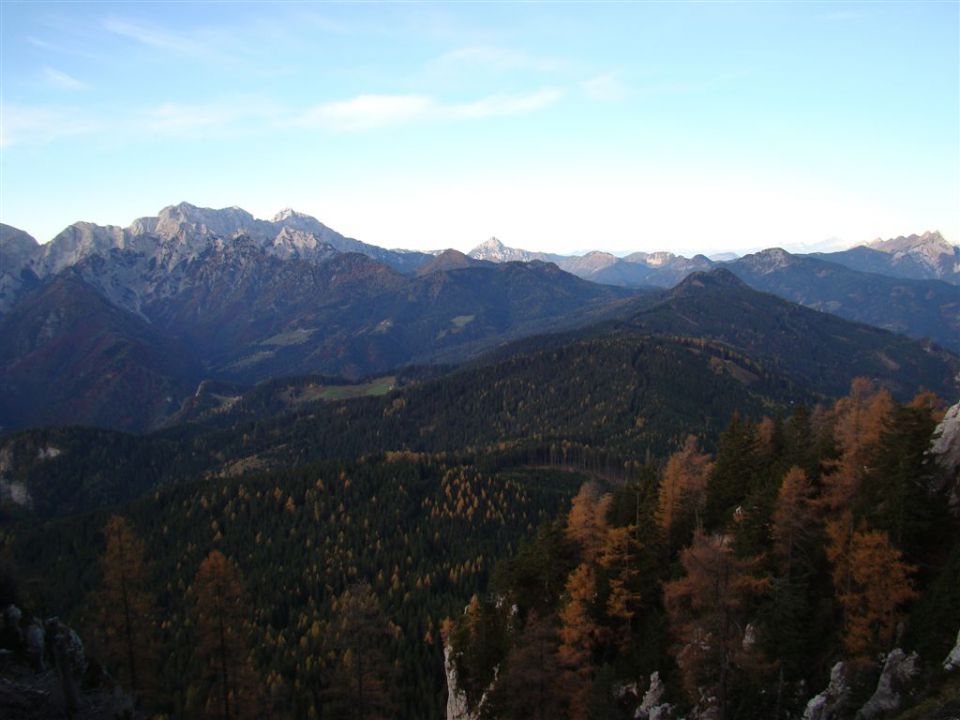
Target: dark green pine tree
point(735, 473)
point(899, 492)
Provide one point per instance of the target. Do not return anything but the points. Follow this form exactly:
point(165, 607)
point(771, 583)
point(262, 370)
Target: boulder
point(898, 670)
point(830, 704)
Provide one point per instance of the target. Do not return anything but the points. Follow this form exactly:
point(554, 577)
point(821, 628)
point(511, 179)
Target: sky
point(564, 127)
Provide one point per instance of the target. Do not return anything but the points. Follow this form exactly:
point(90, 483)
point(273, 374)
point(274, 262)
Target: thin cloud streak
point(62, 80)
point(33, 125)
point(151, 36)
point(505, 105)
point(497, 58)
point(179, 119)
point(605, 88)
point(365, 112)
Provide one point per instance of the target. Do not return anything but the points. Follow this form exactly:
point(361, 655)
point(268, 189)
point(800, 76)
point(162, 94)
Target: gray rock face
point(953, 659)
point(652, 706)
point(898, 670)
point(830, 704)
point(946, 442)
point(133, 256)
point(946, 448)
point(456, 698)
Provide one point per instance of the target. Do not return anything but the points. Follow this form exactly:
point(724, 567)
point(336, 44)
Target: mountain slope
point(918, 308)
point(680, 364)
point(16, 249)
point(69, 356)
point(817, 349)
point(248, 315)
point(921, 257)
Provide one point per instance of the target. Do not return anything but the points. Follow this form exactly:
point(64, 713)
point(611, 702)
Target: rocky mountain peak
point(16, 247)
point(769, 260)
point(662, 257)
point(712, 279)
point(910, 243)
point(288, 214)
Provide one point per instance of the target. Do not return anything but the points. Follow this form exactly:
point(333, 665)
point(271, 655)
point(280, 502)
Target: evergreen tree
point(362, 678)
point(529, 685)
point(735, 472)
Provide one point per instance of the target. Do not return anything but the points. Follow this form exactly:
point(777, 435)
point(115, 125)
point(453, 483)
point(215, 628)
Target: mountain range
point(117, 327)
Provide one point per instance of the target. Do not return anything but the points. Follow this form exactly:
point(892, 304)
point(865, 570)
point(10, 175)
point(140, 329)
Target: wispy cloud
point(63, 81)
point(154, 37)
point(365, 112)
point(605, 88)
point(22, 124)
point(42, 44)
point(497, 58)
point(189, 119)
point(504, 105)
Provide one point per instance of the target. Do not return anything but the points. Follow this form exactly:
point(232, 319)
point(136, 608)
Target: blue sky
point(693, 127)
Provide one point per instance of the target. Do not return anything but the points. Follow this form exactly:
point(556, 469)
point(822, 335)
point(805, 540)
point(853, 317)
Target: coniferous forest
point(728, 577)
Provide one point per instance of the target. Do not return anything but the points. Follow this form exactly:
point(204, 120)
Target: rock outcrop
point(892, 687)
point(45, 673)
point(953, 659)
point(831, 703)
point(652, 706)
point(456, 698)
point(946, 449)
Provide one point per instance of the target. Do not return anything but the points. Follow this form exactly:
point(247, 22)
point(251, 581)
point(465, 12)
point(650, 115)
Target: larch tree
point(794, 517)
point(579, 634)
point(587, 521)
point(682, 491)
point(230, 686)
point(709, 610)
point(859, 422)
point(127, 608)
point(880, 586)
point(619, 557)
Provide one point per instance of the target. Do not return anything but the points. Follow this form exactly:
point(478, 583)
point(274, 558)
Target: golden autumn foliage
point(127, 608)
point(709, 615)
point(619, 556)
point(579, 632)
point(860, 419)
point(794, 515)
point(876, 586)
point(682, 490)
point(229, 681)
point(587, 521)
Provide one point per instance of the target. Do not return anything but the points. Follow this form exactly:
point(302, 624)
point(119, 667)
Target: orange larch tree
point(127, 608)
point(230, 687)
point(709, 610)
point(587, 521)
point(683, 490)
point(872, 602)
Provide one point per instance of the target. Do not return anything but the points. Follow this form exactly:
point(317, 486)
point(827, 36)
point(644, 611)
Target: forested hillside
point(740, 578)
point(302, 547)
